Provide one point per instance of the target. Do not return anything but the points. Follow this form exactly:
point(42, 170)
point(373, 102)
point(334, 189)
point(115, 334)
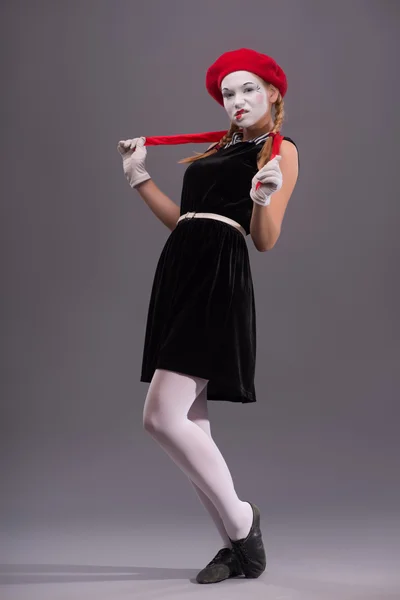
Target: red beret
point(244, 59)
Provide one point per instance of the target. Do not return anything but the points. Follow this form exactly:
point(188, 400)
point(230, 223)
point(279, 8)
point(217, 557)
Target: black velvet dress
point(202, 317)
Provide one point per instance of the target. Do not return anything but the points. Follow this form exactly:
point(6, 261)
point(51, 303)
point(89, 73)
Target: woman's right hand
point(133, 154)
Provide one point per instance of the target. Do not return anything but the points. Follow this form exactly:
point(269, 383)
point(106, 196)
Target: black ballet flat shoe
point(250, 550)
point(224, 565)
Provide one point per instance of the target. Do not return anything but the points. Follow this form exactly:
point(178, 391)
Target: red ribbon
point(276, 144)
point(209, 136)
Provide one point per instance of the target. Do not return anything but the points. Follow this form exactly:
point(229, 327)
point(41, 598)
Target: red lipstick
point(240, 113)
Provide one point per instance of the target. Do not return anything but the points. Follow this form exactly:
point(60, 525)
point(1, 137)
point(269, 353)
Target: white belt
point(203, 215)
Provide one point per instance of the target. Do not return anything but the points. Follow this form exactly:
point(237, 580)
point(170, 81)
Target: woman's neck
point(258, 129)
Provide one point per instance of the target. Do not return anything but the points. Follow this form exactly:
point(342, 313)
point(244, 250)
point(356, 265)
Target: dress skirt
point(201, 318)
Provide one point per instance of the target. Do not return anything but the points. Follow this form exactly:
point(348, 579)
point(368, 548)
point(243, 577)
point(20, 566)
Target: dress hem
point(244, 398)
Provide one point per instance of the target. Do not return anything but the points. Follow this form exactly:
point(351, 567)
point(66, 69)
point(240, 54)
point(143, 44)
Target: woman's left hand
point(270, 177)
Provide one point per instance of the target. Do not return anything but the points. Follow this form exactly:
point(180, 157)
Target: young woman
point(200, 341)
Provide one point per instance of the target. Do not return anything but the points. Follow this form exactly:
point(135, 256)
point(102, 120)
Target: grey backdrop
point(79, 251)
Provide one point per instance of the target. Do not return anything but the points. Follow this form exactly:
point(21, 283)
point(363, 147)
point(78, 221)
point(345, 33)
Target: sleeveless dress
point(202, 316)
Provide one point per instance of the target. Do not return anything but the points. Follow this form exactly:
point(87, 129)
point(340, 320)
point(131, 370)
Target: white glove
point(270, 177)
point(133, 156)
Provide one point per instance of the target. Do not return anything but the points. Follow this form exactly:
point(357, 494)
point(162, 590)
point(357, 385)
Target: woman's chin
point(243, 122)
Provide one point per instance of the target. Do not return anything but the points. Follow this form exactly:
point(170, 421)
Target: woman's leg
point(165, 417)
point(198, 414)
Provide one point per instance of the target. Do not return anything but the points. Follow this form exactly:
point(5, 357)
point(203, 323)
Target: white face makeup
point(242, 90)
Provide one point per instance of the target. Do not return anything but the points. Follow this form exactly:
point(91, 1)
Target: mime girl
point(200, 341)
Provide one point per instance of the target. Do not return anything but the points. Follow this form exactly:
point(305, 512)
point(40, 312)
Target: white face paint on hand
point(244, 90)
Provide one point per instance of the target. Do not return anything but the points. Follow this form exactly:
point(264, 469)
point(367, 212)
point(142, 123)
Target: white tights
point(176, 415)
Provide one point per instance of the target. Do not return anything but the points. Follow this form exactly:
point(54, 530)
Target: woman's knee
point(170, 397)
point(152, 423)
point(157, 419)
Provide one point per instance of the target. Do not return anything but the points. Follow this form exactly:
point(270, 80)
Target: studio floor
point(309, 558)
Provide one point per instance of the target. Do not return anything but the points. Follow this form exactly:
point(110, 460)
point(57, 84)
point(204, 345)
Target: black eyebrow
point(247, 83)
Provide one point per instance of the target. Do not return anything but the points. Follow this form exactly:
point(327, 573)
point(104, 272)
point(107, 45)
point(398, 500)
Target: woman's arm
point(134, 152)
point(163, 207)
point(266, 221)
